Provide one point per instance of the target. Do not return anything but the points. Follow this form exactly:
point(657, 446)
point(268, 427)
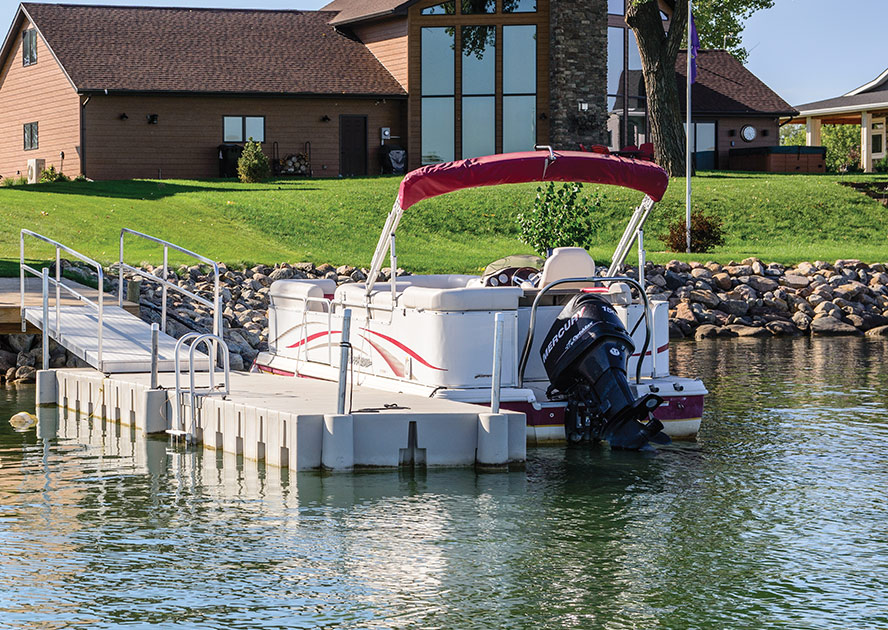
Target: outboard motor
point(585, 355)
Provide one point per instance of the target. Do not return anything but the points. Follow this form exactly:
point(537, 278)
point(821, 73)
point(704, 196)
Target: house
point(127, 92)
point(866, 107)
point(731, 109)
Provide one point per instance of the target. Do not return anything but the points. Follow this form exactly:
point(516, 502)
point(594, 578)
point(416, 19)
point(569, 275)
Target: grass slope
point(785, 218)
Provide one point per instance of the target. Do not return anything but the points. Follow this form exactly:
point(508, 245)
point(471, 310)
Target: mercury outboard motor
point(585, 355)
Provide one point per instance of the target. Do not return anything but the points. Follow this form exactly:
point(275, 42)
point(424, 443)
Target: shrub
point(253, 164)
point(560, 218)
point(9, 182)
point(81, 178)
point(706, 234)
point(881, 166)
point(51, 175)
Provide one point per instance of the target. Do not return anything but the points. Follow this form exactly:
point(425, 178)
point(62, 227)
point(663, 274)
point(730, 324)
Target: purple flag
point(694, 45)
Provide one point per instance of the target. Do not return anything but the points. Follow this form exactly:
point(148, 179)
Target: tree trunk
point(658, 51)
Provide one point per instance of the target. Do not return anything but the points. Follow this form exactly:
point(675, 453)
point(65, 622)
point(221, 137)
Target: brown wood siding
point(416, 22)
point(184, 142)
point(38, 93)
point(387, 40)
point(724, 127)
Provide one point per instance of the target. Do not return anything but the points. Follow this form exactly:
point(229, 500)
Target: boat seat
point(568, 262)
point(301, 291)
point(462, 299)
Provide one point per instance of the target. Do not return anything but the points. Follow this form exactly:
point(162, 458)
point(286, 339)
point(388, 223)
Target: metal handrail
point(215, 305)
point(57, 281)
point(179, 426)
point(649, 328)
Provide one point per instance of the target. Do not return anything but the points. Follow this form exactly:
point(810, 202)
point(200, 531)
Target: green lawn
point(785, 218)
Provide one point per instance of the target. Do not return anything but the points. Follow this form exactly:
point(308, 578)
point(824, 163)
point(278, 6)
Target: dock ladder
point(192, 400)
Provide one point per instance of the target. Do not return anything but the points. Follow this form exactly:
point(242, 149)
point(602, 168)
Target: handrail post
point(343, 359)
point(22, 279)
point(101, 313)
point(58, 288)
point(154, 343)
point(496, 379)
point(45, 318)
point(163, 308)
point(120, 271)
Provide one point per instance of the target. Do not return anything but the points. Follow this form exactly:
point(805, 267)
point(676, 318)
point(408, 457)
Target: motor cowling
point(585, 354)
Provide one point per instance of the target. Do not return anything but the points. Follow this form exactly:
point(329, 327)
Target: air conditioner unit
point(35, 168)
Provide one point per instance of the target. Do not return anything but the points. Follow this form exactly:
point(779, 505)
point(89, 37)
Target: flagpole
point(688, 134)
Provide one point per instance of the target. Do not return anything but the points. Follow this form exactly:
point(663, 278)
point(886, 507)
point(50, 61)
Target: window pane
point(877, 144)
point(519, 6)
point(437, 130)
point(478, 59)
point(519, 60)
point(232, 129)
point(705, 136)
point(614, 60)
point(255, 128)
point(478, 6)
point(519, 123)
point(634, 57)
point(437, 61)
point(615, 6)
point(478, 126)
point(445, 8)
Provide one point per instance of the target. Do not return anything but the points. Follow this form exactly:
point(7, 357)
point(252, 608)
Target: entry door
point(352, 145)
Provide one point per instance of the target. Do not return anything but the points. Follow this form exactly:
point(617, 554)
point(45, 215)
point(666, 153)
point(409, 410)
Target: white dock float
point(126, 339)
point(292, 422)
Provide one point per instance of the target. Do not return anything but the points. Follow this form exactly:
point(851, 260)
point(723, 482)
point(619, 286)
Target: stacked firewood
point(296, 164)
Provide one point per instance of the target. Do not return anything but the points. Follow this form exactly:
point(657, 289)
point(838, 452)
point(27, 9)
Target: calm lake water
point(775, 518)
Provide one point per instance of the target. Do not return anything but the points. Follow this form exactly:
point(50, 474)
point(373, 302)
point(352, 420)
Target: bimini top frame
point(517, 168)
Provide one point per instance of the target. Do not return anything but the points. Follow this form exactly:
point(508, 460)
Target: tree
point(793, 135)
point(719, 24)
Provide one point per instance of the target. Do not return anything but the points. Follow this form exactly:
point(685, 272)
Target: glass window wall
point(478, 6)
point(479, 89)
point(519, 6)
point(438, 94)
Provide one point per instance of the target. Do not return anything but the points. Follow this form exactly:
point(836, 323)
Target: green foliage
point(50, 175)
point(706, 234)
point(720, 23)
point(793, 136)
point(20, 180)
point(842, 144)
point(560, 218)
point(81, 178)
point(253, 166)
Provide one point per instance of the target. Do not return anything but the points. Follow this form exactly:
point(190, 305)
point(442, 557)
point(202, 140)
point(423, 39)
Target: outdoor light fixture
point(325, 118)
point(152, 119)
point(123, 116)
point(583, 106)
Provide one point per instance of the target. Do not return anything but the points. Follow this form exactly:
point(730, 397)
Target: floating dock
point(291, 422)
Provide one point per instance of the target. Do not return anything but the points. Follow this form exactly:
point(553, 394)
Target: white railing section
point(636, 223)
point(303, 339)
point(215, 304)
point(98, 303)
point(195, 393)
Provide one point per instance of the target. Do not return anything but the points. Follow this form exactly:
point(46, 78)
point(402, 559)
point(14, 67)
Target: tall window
point(29, 47)
point(243, 128)
point(479, 90)
point(437, 94)
point(30, 130)
point(519, 88)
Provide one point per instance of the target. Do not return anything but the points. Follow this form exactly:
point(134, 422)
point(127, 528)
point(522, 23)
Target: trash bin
point(229, 154)
point(394, 159)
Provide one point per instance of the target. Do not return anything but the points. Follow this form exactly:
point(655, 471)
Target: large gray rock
point(706, 331)
point(722, 281)
point(850, 290)
point(7, 360)
point(781, 328)
point(832, 326)
point(762, 285)
point(749, 331)
point(734, 307)
point(708, 298)
point(25, 374)
point(795, 280)
point(879, 331)
point(20, 343)
point(739, 270)
point(806, 269)
point(683, 312)
point(801, 320)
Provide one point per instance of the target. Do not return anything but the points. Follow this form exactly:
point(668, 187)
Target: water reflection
point(774, 519)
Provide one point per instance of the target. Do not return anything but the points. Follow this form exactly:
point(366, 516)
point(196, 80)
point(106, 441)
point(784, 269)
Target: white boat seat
point(463, 299)
point(300, 291)
point(568, 262)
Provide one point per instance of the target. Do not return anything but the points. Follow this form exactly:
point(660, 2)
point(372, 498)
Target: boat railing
point(97, 304)
point(649, 327)
point(215, 305)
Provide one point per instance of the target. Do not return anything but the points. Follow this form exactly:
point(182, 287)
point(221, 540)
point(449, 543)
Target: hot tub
point(787, 159)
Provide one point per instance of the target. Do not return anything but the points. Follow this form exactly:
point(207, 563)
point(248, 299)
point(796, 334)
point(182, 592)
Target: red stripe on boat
point(662, 348)
point(393, 363)
point(313, 337)
point(405, 349)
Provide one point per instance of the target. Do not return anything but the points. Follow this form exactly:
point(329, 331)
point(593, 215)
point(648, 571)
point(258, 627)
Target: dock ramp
point(106, 336)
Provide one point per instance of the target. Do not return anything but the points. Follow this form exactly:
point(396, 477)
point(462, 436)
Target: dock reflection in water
point(774, 519)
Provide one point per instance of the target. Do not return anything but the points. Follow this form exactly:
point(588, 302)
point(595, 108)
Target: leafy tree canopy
point(720, 23)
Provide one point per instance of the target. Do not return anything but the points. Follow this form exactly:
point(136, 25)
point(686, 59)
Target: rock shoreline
point(706, 301)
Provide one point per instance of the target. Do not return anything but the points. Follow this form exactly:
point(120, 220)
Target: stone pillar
point(577, 73)
point(866, 142)
point(812, 132)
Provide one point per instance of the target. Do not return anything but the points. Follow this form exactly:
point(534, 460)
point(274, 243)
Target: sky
point(805, 50)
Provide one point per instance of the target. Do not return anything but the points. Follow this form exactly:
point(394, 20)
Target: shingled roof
point(357, 10)
point(147, 49)
point(724, 86)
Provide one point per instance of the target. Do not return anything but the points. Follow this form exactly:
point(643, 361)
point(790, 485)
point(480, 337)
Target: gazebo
point(867, 106)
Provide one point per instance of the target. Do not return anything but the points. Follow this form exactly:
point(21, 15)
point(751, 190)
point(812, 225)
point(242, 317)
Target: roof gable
point(147, 49)
point(357, 10)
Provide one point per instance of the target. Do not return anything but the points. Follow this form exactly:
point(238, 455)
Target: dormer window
point(29, 47)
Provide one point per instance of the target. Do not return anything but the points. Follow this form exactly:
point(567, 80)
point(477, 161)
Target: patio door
point(878, 139)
